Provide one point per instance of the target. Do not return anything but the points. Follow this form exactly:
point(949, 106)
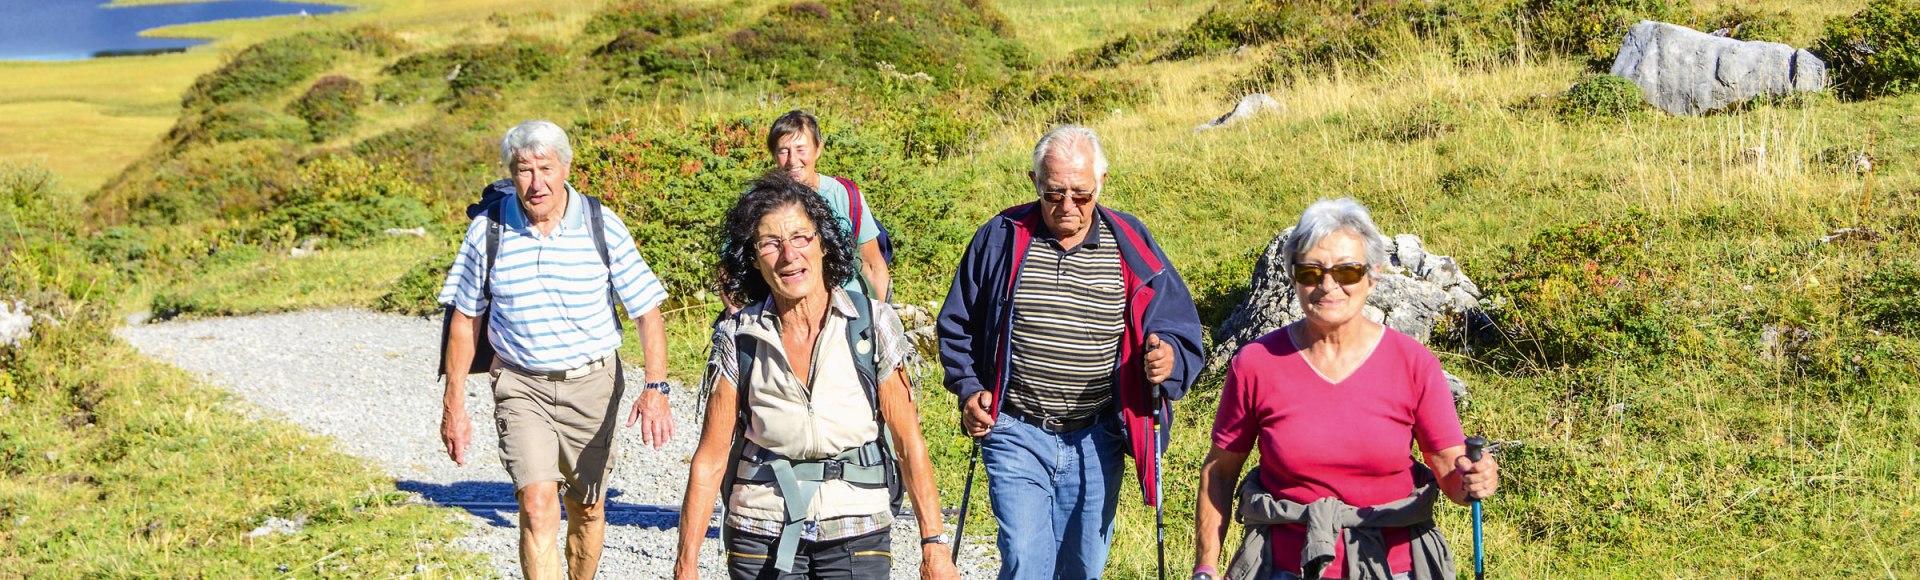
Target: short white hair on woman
point(1327, 217)
point(535, 137)
point(1067, 135)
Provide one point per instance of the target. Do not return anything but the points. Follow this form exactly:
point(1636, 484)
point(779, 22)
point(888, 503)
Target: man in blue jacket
point(1063, 321)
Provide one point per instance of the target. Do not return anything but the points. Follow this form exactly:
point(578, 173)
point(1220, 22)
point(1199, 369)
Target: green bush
point(330, 107)
point(1590, 29)
point(1063, 97)
point(1751, 24)
point(226, 180)
point(280, 63)
point(417, 292)
point(470, 73)
point(1600, 97)
point(666, 19)
point(452, 162)
point(1875, 52)
point(345, 200)
point(229, 123)
point(1891, 298)
point(1582, 291)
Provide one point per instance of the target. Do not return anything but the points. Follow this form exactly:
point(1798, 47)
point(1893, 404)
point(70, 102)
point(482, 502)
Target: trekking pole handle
point(1474, 447)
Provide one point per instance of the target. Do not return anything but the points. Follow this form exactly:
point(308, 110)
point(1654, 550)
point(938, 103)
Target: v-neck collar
point(1364, 360)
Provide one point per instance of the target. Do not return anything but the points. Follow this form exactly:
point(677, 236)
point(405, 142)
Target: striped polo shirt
point(1069, 310)
point(550, 310)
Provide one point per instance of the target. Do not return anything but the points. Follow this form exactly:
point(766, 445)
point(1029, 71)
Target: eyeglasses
point(799, 241)
point(1345, 274)
point(1079, 197)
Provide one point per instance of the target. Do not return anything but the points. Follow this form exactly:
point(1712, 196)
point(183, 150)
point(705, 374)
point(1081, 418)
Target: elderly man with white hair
point(1065, 333)
point(538, 275)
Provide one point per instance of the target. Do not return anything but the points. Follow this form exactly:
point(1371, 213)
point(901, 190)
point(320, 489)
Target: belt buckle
point(1053, 424)
point(831, 469)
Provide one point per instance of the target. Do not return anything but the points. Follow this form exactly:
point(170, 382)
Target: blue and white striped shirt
point(549, 298)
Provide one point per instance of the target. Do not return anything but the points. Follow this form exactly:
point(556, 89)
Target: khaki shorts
point(558, 430)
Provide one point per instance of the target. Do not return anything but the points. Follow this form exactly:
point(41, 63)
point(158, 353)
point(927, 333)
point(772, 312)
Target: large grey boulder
point(1417, 290)
point(1687, 72)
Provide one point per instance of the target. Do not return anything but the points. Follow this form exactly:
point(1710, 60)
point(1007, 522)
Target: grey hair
point(1068, 134)
point(1327, 217)
point(535, 137)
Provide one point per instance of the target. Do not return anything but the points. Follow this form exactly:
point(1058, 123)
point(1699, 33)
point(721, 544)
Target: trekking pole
point(966, 494)
point(1474, 446)
point(1159, 502)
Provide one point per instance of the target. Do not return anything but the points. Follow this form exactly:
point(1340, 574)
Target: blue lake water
point(80, 29)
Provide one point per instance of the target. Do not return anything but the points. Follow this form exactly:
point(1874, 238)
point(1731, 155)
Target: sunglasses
point(1079, 197)
point(1345, 274)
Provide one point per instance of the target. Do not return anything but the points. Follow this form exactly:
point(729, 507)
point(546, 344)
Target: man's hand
point(1159, 360)
point(936, 562)
point(976, 414)
point(456, 431)
point(655, 417)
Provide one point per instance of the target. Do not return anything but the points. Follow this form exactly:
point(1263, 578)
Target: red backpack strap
point(856, 206)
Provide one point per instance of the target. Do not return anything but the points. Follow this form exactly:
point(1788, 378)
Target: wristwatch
point(1202, 576)
point(662, 386)
point(939, 539)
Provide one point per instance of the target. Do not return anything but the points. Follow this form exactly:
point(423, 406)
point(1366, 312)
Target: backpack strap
point(599, 224)
point(494, 213)
point(856, 208)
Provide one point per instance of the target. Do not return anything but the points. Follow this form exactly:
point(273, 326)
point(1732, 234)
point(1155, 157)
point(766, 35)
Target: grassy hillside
point(1692, 382)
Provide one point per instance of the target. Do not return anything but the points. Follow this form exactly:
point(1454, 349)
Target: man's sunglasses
point(1079, 198)
point(1345, 274)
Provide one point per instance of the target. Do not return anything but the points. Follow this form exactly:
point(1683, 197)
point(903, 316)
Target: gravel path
point(365, 380)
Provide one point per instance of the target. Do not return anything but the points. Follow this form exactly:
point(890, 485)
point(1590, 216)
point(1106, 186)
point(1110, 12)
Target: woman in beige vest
point(794, 438)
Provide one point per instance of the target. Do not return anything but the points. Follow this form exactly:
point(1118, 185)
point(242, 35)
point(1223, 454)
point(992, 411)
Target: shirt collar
point(762, 316)
point(576, 217)
point(1093, 235)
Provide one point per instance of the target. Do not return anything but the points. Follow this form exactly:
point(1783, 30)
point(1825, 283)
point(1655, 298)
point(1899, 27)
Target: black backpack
point(878, 453)
point(493, 200)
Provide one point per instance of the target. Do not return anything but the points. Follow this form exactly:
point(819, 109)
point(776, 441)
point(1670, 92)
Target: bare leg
point(586, 535)
point(539, 523)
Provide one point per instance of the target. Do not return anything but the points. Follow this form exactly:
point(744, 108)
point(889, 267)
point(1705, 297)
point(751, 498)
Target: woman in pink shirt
point(1334, 402)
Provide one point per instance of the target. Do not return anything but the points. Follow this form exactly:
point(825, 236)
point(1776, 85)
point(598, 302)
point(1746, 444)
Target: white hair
point(1068, 134)
point(1329, 216)
point(535, 137)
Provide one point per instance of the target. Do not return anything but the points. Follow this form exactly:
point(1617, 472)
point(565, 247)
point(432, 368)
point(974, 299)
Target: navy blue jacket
point(973, 322)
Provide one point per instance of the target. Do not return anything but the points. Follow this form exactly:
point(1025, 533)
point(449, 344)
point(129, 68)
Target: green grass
point(1672, 445)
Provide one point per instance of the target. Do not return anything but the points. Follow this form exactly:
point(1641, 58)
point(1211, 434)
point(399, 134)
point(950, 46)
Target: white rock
point(1248, 107)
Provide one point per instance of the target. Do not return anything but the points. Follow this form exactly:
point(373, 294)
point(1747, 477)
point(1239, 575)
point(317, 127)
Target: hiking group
point(1066, 334)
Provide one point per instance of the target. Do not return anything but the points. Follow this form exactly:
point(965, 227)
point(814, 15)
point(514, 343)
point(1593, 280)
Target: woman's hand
point(1478, 479)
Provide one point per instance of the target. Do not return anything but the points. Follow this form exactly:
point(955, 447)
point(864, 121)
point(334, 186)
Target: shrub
point(471, 73)
point(280, 63)
point(1064, 97)
point(1875, 52)
point(329, 108)
point(1590, 29)
point(227, 180)
point(417, 292)
point(346, 200)
point(450, 161)
point(666, 19)
point(1891, 298)
point(1600, 97)
point(1582, 291)
point(1750, 24)
point(229, 123)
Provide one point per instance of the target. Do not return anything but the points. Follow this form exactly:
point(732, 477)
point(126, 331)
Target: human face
point(1331, 304)
point(797, 154)
point(792, 273)
point(1069, 170)
point(541, 180)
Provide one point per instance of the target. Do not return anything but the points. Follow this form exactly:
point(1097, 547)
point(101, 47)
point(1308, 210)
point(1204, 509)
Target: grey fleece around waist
point(1366, 546)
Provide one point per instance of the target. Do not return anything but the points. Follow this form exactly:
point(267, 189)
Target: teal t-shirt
point(840, 200)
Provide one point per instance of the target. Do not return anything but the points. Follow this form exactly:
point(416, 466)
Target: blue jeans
point(1054, 495)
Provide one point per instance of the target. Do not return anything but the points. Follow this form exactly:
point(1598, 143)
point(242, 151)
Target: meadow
point(1690, 383)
